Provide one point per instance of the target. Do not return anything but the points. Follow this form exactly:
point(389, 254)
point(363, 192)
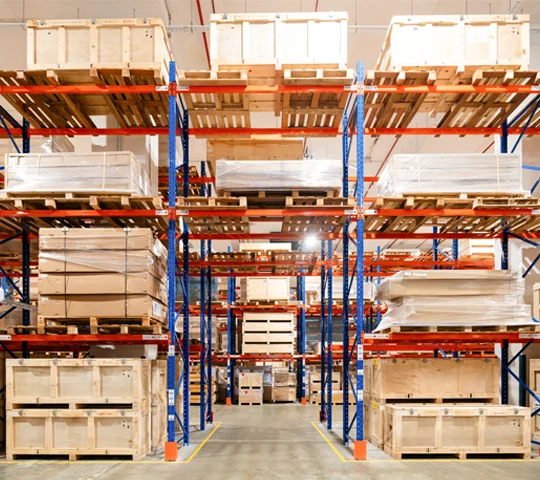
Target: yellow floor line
point(198, 449)
point(416, 460)
point(111, 462)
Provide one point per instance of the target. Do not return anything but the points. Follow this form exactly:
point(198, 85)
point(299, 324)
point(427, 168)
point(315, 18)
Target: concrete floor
point(272, 442)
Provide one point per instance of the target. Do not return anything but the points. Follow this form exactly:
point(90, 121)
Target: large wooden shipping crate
point(534, 385)
point(274, 40)
point(78, 433)
point(110, 43)
point(457, 429)
point(458, 41)
point(432, 378)
point(77, 382)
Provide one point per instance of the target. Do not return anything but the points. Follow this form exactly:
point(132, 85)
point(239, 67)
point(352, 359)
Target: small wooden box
point(457, 429)
point(459, 41)
point(77, 433)
point(111, 43)
point(432, 378)
point(284, 394)
point(265, 42)
point(159, 405)
point(74, 381)
point(250, 380)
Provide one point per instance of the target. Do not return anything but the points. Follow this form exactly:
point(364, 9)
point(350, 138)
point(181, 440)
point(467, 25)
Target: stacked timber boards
point(78, 408)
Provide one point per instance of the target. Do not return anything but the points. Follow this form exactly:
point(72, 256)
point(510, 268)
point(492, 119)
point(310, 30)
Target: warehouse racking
point(354, 117)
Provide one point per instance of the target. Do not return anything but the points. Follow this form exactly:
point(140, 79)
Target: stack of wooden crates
point(91, 407)
point(441, 406)
point(249, 387)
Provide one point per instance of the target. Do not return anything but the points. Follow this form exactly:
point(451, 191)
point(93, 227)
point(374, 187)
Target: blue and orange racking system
point(353, 352)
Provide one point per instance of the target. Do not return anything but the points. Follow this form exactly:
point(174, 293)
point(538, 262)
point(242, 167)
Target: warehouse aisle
point(272, 442)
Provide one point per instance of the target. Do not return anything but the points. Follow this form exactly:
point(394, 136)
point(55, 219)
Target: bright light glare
point(310, 241)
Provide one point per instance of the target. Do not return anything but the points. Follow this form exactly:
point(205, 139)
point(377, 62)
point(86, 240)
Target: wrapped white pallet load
point(254, 175)
point(67, 172)
point(454, 298)
point(451, 173)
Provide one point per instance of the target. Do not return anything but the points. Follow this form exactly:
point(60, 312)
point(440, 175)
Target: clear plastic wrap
point(434, 283)
point(451, 173)
point(93, 262)
point(103, 172)
point(52, 144)
point(472, 311)
point(278, 175)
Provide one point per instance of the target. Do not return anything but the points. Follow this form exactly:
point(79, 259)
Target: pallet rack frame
point(362, 342)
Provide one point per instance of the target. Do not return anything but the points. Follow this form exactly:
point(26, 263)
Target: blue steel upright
point(301, 293)
point(25, 250)
point(329, 361)
point(345, 319)
point(185, 275)
point(202, 325)
point(171, 447)
point(360, 443)
point(322, 411)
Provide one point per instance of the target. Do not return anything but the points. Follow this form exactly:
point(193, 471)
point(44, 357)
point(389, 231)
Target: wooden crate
point(158, 405)
point(78, 433)
point(432, 378)
point(74, 383)
point(534, 385)
point(536, 300)
point(250, 396)
point(264, 289)
point(249, 380)
point(457, 429)
point(283, 394)
point(111, 43)
point(459, 41)
point(266, 42)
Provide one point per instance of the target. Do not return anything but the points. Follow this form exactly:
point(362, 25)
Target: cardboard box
point(100, 283)
point(99, 239)
point(112, 306)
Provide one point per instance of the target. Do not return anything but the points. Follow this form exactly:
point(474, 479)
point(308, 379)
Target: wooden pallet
point(277, 198)
point(319, 110)
point(458, 110)
point(163, 183)
point(215, 224)
point(75, 111)
point(233, 110)
point(450, 223)
point(96, 325)
point(462, 329)
point(74, 201)
point(307, 224)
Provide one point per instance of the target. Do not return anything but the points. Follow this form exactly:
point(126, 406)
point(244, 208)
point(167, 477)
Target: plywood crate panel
point(158, 405)
point(250, 396)
point(458, 429)
point(534, 385)
point(249, 379)
point(431, 41)
point(108, 43)
point(256, 40)
point(283, 394)
point(73, 381)
point(264, 289)
point(433, 378)
point(78, 433)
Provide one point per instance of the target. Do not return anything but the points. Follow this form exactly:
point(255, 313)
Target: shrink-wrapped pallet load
point(454, 298)
point(102, 273)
